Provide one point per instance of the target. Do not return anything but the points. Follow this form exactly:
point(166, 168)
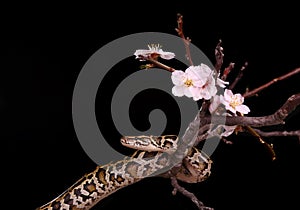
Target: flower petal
point(189, 91)
point(228, 95)
point(205, 93)
point(230, 108)
point(212, 87)
point(178, 77)
point(242, 109)
point(154, 50)
point(196, 74)
point(167, 55)
point(222, 83)
point(198, 82)
point(228, 130)
point(240, 97)
point(178, 91)
point(214, 103)
point(205, 69)
point(139, 53)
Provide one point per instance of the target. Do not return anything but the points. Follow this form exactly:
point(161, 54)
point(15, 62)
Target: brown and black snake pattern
point(150, 158)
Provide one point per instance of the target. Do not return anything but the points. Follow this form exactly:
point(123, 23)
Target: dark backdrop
point(43, 49)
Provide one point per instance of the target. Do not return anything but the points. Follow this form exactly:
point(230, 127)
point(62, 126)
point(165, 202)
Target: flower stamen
point(188, 82)
point(235, 102)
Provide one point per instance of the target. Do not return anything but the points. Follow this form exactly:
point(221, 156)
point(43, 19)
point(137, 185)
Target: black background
point(44, 47)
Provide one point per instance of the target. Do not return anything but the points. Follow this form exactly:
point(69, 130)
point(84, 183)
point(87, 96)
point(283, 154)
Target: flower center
point(235, 102)
point(188, 82)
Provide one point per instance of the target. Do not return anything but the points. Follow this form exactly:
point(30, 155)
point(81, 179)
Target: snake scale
point(150, 157)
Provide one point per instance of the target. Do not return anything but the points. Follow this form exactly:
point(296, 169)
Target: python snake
point(150, 158)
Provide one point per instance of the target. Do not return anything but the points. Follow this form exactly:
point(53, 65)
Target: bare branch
point(219, 56)
point(185, 40)
point(285, 76)
point(279, 133)
point(159, 64)
point(239, 76)
point(265, 144)
point(204, 110)
point(227, 71)
point(191, 196)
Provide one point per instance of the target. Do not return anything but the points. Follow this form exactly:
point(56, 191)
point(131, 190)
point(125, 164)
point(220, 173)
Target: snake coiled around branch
point(151, 158)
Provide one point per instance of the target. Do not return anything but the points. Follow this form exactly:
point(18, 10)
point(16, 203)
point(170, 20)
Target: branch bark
point(275, 119)
point(191, 196)
point(239, 76)
point(285, 76)
point(186, 41)
point(279, 133)
point(219, 55)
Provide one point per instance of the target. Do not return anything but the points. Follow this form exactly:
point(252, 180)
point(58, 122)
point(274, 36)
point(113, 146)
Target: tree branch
point(265, 144)
point(186, 41)
point(159, 64)
point(279, 133)
point(219, 56)
point(275, 119)
point(191, 196)
point(239, 76)
point(285, 76)
point(219, 61)
point(227, 71)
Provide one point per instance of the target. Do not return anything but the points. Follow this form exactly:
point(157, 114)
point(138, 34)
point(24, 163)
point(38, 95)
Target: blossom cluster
point(197, 82)
point(200, 82)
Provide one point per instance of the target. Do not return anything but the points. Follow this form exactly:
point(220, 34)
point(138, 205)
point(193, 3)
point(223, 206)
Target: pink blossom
point(234, 102)
point(153, 52)
point(196, 82)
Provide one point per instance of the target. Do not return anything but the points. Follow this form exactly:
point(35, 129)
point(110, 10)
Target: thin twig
point(219, 55)
point(185, 40)
point(278, 133)
point(285, 76)
point(227, 71)
point(191, 196)
point(159, 64)
point(219, 61)
point(239, 76)
point(265, 144)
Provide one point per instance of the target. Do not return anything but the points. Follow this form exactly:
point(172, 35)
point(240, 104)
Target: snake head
point(151, 143)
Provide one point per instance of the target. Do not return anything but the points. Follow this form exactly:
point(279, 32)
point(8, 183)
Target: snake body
point(151, 157)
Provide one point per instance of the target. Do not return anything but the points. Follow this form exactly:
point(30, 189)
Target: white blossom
point(234, 102)
point(153, 52)
point(196, 82)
